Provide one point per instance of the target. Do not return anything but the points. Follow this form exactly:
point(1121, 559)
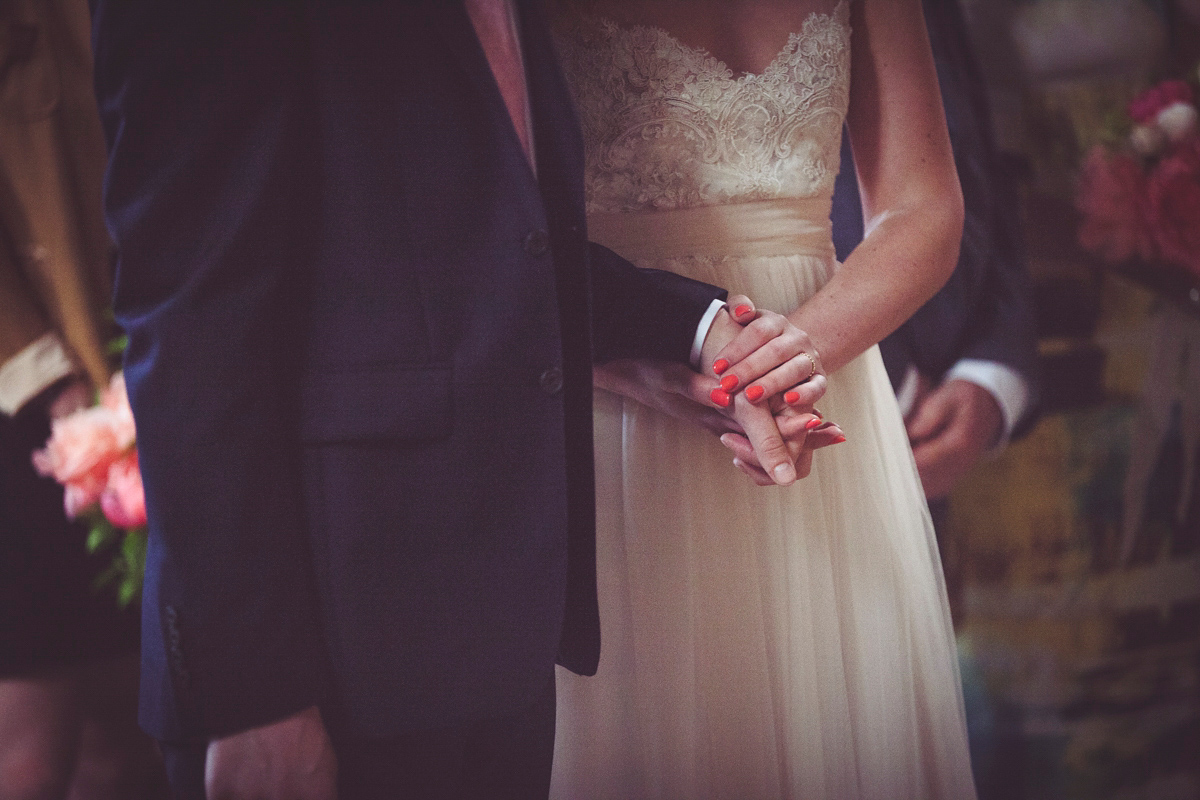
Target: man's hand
point(287, 760)
point(672, 389)
point(75, 395)
point(950, 429)
point(677, 391)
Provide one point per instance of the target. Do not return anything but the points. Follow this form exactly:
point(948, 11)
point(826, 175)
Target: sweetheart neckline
point(725, 72)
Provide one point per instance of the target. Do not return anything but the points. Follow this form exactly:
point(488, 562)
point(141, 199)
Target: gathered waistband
point(795, 226)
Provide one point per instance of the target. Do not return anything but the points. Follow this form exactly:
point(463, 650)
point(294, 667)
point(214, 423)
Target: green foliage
point(1116, 128)
point(133, 549)
point(128, 565)
point(101, 534)
point(117, 346)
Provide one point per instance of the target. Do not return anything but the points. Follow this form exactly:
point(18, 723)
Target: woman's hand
point(770, 357)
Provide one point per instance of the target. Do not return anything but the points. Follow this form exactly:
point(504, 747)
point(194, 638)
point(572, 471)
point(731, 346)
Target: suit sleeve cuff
point(1005, 384)
point(702, 329)
point(31, 371)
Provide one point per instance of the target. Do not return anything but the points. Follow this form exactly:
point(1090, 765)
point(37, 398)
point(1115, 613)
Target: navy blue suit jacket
point(361, 338)
point(985, 310)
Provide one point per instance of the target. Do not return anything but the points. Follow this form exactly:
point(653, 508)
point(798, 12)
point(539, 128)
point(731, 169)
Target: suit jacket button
point(551, 381)
point(537, 243)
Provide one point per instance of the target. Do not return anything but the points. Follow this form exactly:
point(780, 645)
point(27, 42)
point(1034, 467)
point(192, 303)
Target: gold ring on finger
point(812, 366)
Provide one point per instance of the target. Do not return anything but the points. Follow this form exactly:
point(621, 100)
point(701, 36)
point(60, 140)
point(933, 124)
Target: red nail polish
point(818, 414)
point(729, 383)
point(839, 440)
point(720, 397)
point(791, 397)
point(755, 393)
point(812, 423)
point(720, 365)
point(742, 310)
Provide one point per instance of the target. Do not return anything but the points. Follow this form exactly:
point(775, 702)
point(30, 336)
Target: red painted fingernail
point(791, 397)
point(720, 397)
point(818, 414)
point(729, 383)
point(839, 440)
point(812, 423)
point(755, 393)
point(742, 311)
point(720, 365)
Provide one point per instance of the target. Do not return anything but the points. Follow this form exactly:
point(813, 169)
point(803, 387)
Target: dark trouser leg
point(497, 759)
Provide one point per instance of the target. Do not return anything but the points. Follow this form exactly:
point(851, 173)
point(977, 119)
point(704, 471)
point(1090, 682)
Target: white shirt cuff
point(32, 370)
point(1002, 382)
point(706, 323)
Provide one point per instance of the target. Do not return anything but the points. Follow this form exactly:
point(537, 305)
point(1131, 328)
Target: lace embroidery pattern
point(669, 126)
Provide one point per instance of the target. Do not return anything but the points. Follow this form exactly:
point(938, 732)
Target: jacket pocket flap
point(387, 402)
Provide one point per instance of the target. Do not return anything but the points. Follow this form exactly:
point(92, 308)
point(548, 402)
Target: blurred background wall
point(1077, 551)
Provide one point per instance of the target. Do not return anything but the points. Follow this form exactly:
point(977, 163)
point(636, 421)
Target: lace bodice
point(668, 126)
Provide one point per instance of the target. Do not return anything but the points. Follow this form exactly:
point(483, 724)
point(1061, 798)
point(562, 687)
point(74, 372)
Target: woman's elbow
point(946, 216)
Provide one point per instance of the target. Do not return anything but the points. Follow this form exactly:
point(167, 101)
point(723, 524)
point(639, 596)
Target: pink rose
point(82, 495)
point(1145, 107)
point(81, 448)
point(116, 400)
point(1111, 197)
point(1174, 205)
point(124, 500)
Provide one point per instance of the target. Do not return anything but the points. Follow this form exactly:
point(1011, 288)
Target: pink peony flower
point(81, 448)
point(82, 495)
point(124, 500)
point(1147, 140)
point(1145, 107)
point(1177, 121)
point(1173, 192)
point(1111, 197)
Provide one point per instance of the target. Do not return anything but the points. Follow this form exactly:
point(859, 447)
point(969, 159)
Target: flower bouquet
point(1139, 193)
point(93, 454)
point(1139, 199)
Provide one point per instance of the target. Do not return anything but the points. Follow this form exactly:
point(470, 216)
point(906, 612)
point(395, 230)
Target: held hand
point(764, 358)
point(804, 433)
point(672, 389)
point(291, 759)
point(75, 396)
point(680, 393)
point(950, 429)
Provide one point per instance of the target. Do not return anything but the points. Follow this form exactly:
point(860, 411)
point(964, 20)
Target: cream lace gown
point(758, 642)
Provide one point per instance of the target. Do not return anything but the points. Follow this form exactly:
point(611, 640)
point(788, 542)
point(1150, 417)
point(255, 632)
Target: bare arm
point(912, 208)
point(912, 202)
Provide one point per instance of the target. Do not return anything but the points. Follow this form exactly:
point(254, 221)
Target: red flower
point(1173, 193)
point(1112, 196)
point(1145, 107)
point(124, 501)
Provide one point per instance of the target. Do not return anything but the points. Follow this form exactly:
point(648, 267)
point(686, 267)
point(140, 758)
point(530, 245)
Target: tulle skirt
point(778, 642)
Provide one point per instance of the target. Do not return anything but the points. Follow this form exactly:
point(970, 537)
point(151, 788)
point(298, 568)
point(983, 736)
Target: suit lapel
point(556, 134)
point(452, 23)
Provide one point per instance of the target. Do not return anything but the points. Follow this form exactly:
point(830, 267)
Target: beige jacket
point(55, 255)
